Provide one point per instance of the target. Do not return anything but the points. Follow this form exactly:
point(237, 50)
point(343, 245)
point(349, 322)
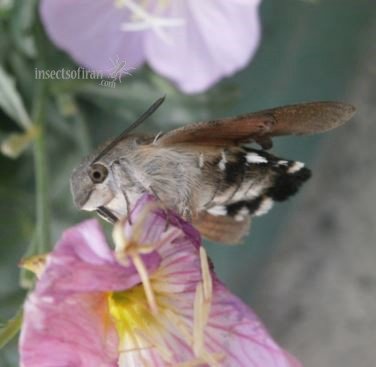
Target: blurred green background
point(310, 50)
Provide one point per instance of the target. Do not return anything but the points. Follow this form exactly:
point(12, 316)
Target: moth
point(206, 171)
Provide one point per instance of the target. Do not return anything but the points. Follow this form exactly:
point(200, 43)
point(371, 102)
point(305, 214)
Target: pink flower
point(194, 43)
point(153, 302)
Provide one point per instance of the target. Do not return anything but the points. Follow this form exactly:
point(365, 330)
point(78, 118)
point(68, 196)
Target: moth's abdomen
point(249, 181)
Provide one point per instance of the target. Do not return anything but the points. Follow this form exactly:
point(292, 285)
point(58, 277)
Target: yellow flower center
point(130, 311)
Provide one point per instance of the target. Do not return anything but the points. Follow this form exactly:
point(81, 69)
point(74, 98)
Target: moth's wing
point(309, 118)
point(304, 118)
point(223, 229)
point(228, 131)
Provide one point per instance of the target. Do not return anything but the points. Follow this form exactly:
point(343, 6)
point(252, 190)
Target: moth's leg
point(187, 214)
point(118, 181)
point(187, 211)
point(128, 204)
point(154, 192)
point(164, 207)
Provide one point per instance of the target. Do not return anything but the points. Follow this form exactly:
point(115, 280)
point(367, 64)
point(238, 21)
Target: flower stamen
point(206, 276)
point(143, 273)
point(202, 306)
point(198, 321)
point(147, 21)
point(130, 248)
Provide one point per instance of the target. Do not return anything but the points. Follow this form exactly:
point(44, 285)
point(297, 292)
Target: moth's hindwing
point(223, 229)
point(250, 181)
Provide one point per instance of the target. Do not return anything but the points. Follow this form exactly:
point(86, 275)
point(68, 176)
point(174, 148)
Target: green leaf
point(10, 329)
point(22, 21)
point(11, 101)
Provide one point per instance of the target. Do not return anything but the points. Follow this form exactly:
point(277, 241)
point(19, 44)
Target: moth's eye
point(98, 173)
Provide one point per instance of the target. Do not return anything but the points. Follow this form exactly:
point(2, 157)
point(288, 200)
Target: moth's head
point(91, 185)
point(91, 182)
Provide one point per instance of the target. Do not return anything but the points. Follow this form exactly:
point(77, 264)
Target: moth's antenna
point(139, 121)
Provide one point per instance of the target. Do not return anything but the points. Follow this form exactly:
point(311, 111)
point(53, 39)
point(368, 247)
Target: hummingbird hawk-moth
point(205, 171)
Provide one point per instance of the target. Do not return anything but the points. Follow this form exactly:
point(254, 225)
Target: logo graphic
point(119, 69)
point(108, 78)
point(116, 72)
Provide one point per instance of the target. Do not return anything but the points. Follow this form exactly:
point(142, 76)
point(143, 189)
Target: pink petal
point(74, 332)
point(83, 262)
point(66, 320)
point(180, 268)
point(235, 330)
point(90, 31)
point(218, 39)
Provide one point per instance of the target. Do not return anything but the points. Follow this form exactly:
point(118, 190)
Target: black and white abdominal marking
point(249, 181)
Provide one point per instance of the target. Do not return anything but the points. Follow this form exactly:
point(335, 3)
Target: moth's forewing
point(304, 118)
point(223, 132)
point(309, 118)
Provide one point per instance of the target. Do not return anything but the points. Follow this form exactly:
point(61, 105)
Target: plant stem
point(10, 329)
point(42, 243)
